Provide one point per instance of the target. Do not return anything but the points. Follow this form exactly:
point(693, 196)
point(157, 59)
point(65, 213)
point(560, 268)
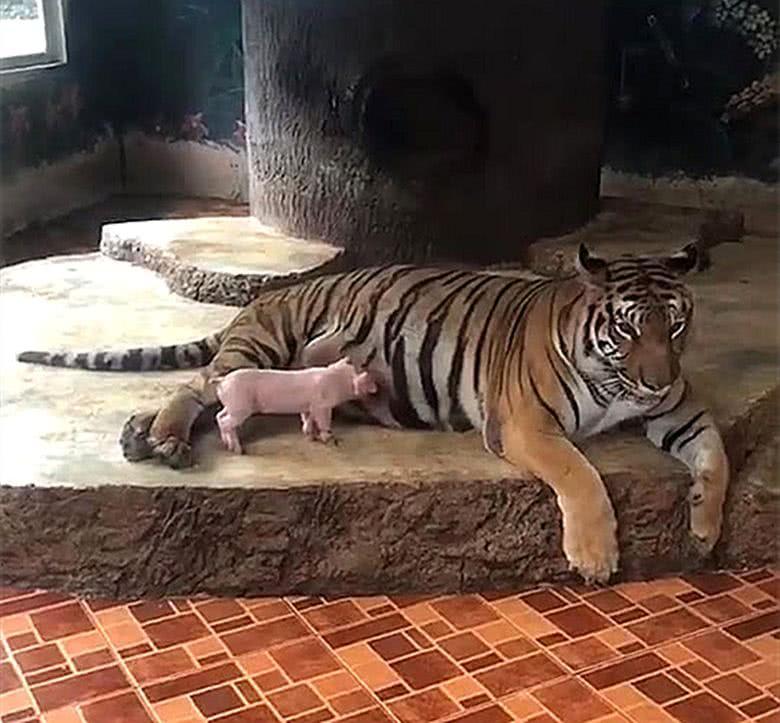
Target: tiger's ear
point(684, 261)
point(591, 268)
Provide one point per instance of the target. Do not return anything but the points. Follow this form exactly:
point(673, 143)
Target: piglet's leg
point(228, 431)
point(322, 417)
point(307, 425)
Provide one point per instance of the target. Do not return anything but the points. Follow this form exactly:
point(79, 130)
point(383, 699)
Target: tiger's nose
point(654, 387)
point(659, 381)
point(659, 370)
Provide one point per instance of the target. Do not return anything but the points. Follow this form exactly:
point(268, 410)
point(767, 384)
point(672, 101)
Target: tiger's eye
point(625, 329)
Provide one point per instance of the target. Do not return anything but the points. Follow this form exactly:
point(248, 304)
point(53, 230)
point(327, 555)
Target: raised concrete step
point(218, 260)
point(385, 511)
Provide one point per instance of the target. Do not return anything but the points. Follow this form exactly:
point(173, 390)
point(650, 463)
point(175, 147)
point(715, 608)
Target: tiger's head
point(638, 316)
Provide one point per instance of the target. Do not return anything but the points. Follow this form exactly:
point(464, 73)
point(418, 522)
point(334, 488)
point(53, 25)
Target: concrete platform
point(218, 260)
point(386, 510)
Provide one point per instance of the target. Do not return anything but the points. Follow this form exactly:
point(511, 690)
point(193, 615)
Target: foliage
point(18, 9)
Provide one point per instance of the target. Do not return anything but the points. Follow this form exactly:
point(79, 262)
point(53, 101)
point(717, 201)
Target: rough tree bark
point(407, 130)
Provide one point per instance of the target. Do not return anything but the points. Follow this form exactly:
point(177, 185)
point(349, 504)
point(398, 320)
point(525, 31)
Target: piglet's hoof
point(174, 452)
point(330, 441)
point(134, 438)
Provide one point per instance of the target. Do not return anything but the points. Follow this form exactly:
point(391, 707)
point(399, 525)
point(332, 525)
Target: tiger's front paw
point(174, 452)
point(706, 524)
point(134, 438)
point(706, 507)
point(590, 543)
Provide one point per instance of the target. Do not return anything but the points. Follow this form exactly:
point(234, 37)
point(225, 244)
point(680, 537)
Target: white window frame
point(56, 48)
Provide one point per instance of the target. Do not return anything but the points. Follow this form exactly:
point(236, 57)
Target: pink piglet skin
point(313, 393)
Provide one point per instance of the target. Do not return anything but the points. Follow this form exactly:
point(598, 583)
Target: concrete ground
point(61, 426)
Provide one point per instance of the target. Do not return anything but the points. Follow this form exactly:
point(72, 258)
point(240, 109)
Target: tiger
point(536, 363)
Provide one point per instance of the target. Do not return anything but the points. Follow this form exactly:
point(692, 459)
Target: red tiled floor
point(217, 700)
point(427, 668)
point(465, 612)
point(126, 708)
point(40, 657)
point(79, 688)
point(332, 616)
point(572, 701)
point(733, 688)
point(61, 621)
point(660, 688)
point(463, 645)
point(720, 650)
point(703, 707)
point(305, 659)
point(265, 635)
point(584, 653)
point(579, 620)
point(145, 612)
point(699, 648)
point(667, 626)
point(174, 631)
point(160, 665)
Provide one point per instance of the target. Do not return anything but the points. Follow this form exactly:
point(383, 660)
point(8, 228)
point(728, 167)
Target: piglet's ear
point(684, 261)
point(591, 268)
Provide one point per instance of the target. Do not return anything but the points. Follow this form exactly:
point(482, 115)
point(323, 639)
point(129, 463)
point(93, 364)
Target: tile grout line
point(709, 625)
point(293, 611)
point(121, 663)
point(703, 688)
point(655, 646)
point(19, 674)
point(564, 666)
point(197, 666)
point(543, 650)
point(213, 634)
point(343, 663)
point(458, 664)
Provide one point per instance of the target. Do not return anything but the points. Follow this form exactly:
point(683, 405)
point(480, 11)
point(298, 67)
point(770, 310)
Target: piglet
point(313, 393)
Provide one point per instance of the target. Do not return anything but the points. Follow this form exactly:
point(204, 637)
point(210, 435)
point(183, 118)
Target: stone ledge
point(754, 507)
point(365, 537)
point(385, 511)
point(219, 260)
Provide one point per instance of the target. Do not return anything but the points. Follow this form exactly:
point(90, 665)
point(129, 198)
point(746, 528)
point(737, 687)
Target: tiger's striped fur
point(533, 362)
point(190, 355)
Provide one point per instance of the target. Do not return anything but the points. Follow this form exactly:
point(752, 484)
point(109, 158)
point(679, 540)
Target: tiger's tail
point(189, 355)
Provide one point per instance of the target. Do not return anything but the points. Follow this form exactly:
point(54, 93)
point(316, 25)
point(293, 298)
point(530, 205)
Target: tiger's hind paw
point(134, 438)
point(173, 452)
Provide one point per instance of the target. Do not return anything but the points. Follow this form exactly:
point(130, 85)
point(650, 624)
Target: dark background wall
point(151, 63)
point(674, 65)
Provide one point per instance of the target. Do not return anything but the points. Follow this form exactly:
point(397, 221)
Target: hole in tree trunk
point(418, 124)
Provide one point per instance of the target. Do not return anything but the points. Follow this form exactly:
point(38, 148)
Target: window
point(32, 34)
